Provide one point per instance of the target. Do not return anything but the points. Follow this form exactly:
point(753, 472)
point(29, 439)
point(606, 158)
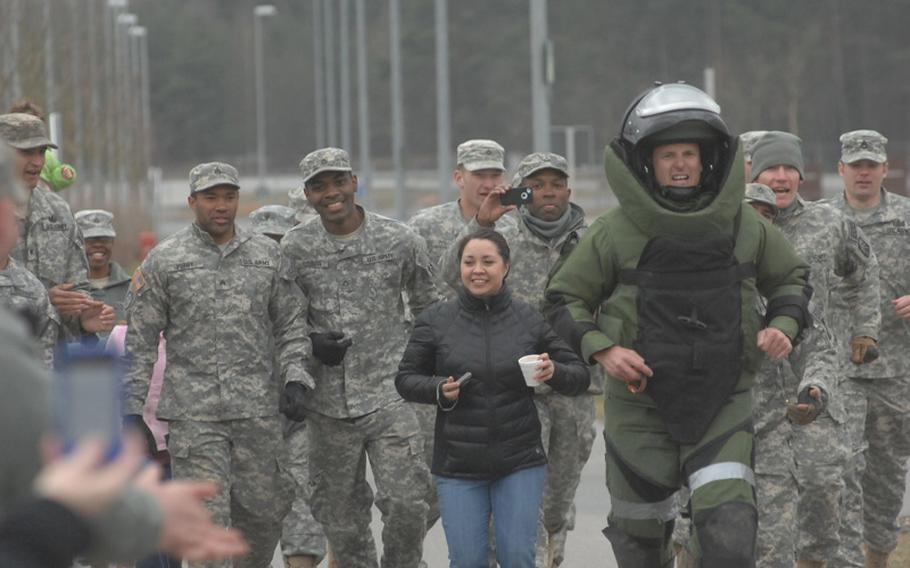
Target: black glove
point(814, 407)
point(330, 347)
point(291, 402)
point(136, 423)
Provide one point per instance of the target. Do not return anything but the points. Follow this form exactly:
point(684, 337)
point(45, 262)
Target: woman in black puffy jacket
point(488, 458)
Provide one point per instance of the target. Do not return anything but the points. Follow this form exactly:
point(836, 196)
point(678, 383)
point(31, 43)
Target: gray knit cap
point(777, 148)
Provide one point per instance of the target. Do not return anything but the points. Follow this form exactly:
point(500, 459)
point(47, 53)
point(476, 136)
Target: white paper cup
point(528, 365)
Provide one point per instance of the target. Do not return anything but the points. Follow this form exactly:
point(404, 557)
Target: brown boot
point(331, 556)
point(810, 564)
point(307, 561)
point(876, 559)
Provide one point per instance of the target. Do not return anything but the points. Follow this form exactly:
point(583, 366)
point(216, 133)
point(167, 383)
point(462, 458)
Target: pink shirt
point(115, 344)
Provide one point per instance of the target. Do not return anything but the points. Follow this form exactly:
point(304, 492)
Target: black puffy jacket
point(493, 429)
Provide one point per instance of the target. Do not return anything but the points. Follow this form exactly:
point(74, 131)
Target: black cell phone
point(88, 396)
point(517, 196)
point(464, 379)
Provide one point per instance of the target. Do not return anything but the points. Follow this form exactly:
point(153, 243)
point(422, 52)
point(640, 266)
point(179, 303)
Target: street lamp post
point(259, 12)
point(397, 108)
point(443, 111)
point(127, 143)
point(139, 36)
point(542, 69)
point(111, 72)
point(363, 106)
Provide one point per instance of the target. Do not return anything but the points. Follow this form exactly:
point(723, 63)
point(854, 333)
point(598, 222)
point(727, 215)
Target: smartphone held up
point(88, 397)
point(517, 196)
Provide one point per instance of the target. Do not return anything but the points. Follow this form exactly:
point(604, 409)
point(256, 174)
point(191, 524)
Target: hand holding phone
point(517, 196)
point(88, 397)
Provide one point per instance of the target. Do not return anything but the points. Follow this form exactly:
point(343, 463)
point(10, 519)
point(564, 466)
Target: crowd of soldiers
point(283, 343)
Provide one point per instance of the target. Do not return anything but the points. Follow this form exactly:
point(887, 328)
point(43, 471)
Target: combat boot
point(811, 564)
point(307, 561)
point(876, 559)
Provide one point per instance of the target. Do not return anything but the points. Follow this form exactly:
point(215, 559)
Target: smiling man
point(50, 245)
point(844, 270)
point(356, 268)
point(108, 280)
point(231, 314)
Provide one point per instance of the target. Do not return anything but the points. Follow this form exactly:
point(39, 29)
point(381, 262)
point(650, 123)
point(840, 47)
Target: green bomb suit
point(592, 304)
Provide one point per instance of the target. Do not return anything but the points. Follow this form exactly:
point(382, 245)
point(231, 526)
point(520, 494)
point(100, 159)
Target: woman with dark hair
point(488, 458)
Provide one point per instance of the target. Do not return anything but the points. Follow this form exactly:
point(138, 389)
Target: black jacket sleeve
point(42, 533)
point(415, 380)
point(570, 374)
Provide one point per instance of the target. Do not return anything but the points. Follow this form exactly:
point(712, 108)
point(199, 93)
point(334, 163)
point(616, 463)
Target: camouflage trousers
point(341, 499)
point(426, 417)
point(301, 534)
point(567, 430)
point(242, 457)
point(820, 452)
point(776, 491)
point(879, 412)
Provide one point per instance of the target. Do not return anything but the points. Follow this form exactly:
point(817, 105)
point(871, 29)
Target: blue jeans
point(514, 503)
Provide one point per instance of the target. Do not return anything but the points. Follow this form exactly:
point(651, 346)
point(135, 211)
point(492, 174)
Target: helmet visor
point(674, 97)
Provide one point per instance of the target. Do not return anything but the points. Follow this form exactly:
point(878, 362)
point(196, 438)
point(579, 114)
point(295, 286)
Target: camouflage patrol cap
point(324, 160)
point(480, 155)
point(272, 220)
point(212, 174)
point(863, 145)
point(298, 202)
point(95, 223)
point(749, 140)
point(24, 131)
point(760, 193)
point(539, 161)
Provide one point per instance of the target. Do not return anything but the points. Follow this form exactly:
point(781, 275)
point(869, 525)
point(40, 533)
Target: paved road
point(587, 547)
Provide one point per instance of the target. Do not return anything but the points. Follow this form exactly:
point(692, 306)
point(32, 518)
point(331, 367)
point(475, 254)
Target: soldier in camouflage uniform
point(878, 392)
point(547, 232)
point(813, 362)
point(479, 168)
point(226, 304)
point(22, 293)
point(303, 211)
point(842, 265)
point(50, 244)
point(108, 281)
point(273, 221)
point(302, 537)
point(761, 198)
point(355, 267)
